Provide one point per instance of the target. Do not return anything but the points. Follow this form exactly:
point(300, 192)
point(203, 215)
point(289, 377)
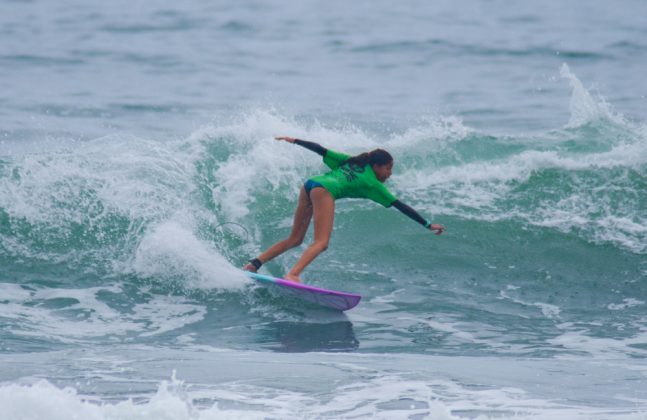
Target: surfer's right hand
point(285, 138)
point(438, 228)
point(250, 267)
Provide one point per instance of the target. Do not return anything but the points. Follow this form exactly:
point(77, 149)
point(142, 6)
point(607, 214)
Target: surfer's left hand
point(438, 228)
point(285, 138)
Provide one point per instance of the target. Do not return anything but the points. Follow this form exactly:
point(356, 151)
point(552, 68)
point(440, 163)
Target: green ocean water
point(545, 235)
point(127, 243)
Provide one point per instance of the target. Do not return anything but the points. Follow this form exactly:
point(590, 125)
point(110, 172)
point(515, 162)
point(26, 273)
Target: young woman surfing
point(360, 176)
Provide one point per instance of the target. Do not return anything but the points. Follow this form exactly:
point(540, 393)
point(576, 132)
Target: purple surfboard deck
point(340, 301)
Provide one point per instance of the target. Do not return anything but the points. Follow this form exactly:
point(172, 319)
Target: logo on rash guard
point(351, 173)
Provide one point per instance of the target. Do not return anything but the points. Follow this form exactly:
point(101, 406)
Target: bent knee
point(294, 242)
point(320, 245)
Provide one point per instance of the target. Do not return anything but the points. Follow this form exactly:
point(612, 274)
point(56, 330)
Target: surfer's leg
point(323, 205)
point(302, 217)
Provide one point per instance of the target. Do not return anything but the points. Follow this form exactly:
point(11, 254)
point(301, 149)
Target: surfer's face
point(383, 172)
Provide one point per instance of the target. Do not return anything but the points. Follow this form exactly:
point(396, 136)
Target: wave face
point(545, 225)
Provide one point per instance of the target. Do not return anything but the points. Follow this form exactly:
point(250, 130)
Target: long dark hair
point(375, 157)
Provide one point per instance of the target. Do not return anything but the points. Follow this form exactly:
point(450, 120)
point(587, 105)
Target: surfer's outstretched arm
point(315, 147)
point(416, 217)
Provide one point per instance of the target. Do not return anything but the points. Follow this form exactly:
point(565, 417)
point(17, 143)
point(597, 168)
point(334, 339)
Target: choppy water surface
point(138, 170)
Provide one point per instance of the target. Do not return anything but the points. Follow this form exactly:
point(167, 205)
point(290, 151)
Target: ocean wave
point(385, 396)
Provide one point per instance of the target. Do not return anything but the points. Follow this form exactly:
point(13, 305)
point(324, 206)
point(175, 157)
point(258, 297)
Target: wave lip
point(583, 108)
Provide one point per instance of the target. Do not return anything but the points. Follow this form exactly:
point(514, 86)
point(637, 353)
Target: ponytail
point(375, 157)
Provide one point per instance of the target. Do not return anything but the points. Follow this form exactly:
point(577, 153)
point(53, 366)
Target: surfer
point(360, 176)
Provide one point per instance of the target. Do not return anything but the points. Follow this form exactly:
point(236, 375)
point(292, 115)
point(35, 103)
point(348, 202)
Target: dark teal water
point(138, 171)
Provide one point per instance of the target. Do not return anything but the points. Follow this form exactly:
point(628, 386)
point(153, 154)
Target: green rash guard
point(344, 181)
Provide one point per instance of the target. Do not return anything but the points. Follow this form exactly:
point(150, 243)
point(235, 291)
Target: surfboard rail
point(341, 301)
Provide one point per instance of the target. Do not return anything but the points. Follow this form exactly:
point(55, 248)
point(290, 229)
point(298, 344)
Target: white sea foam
point(520, 167)
point(389, 298)
point(461, 332)
point(626, 303)
point(119, 173)
point(108, 181)
point(548, 310)
point(74, 202)
point(601, 347)
point(384, 397)
point(583, 107)
point(10, 292)
point(579, 337)
point(171, 249)
point(43, 400)
point(259, 162)
point(85, 316)
point(479, 189)
point(432, 129)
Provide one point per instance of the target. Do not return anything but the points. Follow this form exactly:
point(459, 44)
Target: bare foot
point(250, 267)
point(292, 277)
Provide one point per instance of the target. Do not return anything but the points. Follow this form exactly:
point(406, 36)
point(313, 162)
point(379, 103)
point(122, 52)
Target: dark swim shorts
point(310, 184)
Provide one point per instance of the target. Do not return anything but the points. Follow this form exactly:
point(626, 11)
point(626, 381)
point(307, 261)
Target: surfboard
point(341, 301)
